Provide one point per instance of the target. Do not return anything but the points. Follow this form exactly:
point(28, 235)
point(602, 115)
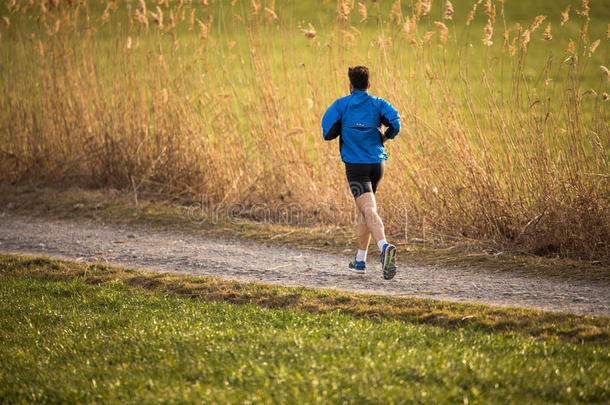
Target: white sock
point(361, 255)
point(381, 244)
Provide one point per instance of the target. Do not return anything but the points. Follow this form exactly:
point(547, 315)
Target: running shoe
point(357, 267)
point(388, 261)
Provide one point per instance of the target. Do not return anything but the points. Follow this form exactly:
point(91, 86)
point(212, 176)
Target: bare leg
point(368, 207)
point(364, 236)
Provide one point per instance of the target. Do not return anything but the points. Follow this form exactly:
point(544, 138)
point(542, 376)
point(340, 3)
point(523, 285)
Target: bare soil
point(148, 249)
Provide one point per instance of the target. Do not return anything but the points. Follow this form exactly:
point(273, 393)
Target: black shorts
point(363, 177)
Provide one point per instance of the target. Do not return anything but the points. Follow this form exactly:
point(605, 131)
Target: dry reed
point(232, 113)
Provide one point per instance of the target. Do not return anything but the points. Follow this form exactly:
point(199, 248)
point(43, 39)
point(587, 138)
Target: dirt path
point(249, 261)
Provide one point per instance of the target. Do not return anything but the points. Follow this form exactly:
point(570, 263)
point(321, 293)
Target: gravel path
point(249, 261)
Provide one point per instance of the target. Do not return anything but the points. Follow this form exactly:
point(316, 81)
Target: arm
point(331, 123)
point(389, 118)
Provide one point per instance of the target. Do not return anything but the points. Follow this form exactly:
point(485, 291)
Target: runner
point(356, 120)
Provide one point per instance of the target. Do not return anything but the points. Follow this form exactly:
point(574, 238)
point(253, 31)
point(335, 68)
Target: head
point(358, 78)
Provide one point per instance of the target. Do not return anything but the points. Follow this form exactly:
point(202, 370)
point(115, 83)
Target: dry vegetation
point(503, 142)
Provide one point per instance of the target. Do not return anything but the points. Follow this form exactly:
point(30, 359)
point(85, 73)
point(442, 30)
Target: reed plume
point(448, 15)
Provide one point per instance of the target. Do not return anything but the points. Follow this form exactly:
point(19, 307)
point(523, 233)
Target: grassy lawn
point(502, 164)
point(81, 333)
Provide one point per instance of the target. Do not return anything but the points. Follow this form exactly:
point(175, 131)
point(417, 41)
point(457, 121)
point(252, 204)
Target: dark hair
point(359, 77)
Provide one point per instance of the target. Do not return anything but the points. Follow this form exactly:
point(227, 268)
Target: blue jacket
point(356, 119)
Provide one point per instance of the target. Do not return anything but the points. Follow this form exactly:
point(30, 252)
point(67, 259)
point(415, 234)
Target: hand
point(382, 137)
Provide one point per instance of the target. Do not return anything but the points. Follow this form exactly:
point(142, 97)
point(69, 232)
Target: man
point(356, 120)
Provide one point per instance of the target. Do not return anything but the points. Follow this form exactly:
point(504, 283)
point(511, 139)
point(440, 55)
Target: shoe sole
point(357, 271)
point(389, 270)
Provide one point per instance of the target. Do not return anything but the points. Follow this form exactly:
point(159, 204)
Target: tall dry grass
point(222, 101)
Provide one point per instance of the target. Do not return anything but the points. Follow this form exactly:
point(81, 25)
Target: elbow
point(393, 126)
point(333, 132)
point(392, 130)
point(330, 137)
point(396, 129)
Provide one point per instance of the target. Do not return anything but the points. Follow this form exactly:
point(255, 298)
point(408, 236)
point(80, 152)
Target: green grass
point(73, 340)
point(528, 322)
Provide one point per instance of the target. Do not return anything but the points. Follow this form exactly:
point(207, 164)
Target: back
point(356, 120)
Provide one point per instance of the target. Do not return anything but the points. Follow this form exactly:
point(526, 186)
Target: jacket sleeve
point(390, 118)
point(331, 123)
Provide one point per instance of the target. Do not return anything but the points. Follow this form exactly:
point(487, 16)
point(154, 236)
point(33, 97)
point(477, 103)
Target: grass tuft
point(537, 324)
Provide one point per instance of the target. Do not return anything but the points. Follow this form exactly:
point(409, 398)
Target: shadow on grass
point(537, 324)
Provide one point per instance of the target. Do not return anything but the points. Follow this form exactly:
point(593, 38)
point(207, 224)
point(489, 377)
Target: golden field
point(505, 138)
